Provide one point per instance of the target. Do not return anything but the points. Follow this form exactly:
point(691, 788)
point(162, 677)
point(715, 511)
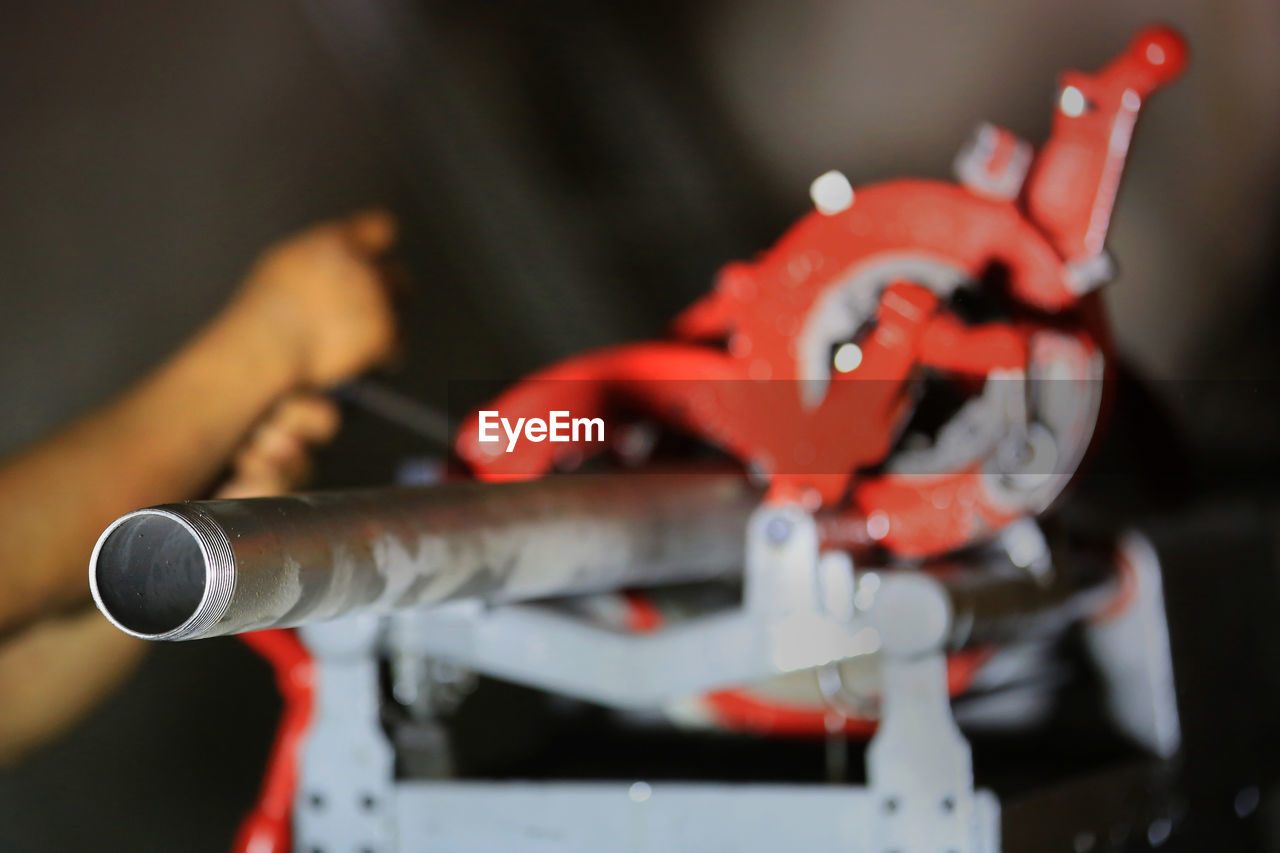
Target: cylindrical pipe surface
point(206, 568)
point(995, 601)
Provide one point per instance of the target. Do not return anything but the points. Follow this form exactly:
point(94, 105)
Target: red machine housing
point(742, 374)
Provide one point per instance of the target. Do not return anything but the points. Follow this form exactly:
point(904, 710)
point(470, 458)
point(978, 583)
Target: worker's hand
point(276, 456)
point(321, 299)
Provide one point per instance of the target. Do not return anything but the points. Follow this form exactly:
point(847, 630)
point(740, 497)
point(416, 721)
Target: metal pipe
point(207, 568)
point(996, 601)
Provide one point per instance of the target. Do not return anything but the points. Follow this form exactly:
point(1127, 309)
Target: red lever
point(1073, 182)
point(269, 828)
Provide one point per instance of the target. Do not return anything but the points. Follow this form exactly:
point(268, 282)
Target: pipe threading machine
point(893, 393)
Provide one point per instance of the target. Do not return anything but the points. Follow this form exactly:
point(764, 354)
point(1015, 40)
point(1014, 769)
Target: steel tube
point(207, 568)
point(998, 602)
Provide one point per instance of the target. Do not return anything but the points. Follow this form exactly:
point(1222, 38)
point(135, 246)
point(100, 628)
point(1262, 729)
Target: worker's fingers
point(276, 451)
point(370, 231)
point(259, 480)
point(310, 418)
point(295, 425)
point(255, 474)
point(275, 458)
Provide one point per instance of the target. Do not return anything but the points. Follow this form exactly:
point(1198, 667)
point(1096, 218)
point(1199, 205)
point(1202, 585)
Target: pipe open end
point(150, 574)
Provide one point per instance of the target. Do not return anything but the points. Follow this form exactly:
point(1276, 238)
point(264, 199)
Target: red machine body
point(807, 365)
point(751, 368)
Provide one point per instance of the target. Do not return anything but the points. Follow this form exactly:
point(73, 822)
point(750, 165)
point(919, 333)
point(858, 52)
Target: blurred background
point(571, 173)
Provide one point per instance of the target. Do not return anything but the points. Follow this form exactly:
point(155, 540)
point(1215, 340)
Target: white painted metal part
point(921, 785)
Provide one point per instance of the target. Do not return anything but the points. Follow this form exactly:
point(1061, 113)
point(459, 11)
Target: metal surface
point(640, 817)
point(269, 825)
point(1130, 644)
point(996, 601)
point(920, 794)
point(782, 627)
point(347, 768)
point(201, 569)
point(788, 622)
point(918, 764)
point(1072, 185)
point(1008, 594)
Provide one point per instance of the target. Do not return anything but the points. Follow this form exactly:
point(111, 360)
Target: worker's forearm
point(52, 673)
point(163, 440)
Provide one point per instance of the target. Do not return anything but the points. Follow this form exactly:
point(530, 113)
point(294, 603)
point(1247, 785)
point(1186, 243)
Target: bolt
point(831, 193)
point(778, 530)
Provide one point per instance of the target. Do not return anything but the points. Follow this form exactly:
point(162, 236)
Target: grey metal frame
point(800, 609)
point(795, 615)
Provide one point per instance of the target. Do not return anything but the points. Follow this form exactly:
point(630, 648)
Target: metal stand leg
point(918, 764)
point(1131, 650)
point(345, 791)
point(797, 614)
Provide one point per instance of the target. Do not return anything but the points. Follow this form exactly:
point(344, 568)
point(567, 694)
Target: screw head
point(778, 529)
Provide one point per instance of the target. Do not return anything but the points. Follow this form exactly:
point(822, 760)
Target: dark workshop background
point(571, 173)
